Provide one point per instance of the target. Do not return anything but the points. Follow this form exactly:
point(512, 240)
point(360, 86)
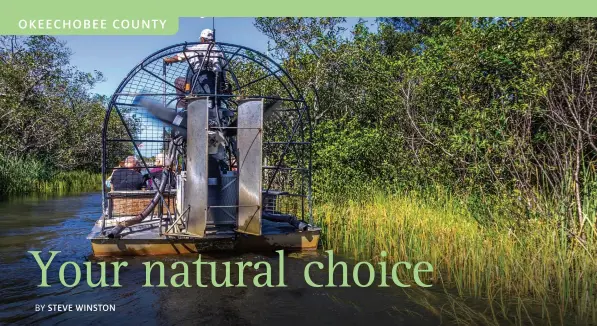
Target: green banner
point(150, 17)
point(82, 17)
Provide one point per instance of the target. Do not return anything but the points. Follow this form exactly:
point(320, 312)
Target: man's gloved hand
point(226, 88)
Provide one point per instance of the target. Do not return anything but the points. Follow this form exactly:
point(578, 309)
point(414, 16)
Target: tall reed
point(72, 181)
point(19, 176)
point(522, 269)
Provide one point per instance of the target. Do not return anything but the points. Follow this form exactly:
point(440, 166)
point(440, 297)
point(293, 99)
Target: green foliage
point(350, 155)
point(20, 175)
point(47, 111)
point(50, 122)
point(478, 105)
point(470, 142)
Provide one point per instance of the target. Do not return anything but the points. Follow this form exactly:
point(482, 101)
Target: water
point(63, 223)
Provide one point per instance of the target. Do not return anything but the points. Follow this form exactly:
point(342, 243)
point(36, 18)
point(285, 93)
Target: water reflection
point(63, 223)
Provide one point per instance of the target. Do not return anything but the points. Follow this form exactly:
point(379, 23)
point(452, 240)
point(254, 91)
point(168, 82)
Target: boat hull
point(147, 242)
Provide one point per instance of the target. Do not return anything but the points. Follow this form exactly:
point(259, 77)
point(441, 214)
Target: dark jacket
point(126, 179)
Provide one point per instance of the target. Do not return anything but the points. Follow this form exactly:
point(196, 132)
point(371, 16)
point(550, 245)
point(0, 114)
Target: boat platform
point(144, 239)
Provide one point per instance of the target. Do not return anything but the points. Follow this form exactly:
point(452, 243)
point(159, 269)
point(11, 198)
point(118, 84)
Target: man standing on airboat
point(205, 77)
point(205, 72)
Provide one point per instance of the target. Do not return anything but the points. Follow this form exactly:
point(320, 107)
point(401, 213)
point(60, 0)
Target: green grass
point(20, 176)
point(514, 270)
point(72, 181)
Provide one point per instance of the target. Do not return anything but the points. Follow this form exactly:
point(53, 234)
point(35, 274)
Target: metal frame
point(150, 73)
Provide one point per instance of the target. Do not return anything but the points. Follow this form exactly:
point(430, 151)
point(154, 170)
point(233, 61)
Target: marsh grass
point(505, 269)
point(20, 176)
point(72, 181)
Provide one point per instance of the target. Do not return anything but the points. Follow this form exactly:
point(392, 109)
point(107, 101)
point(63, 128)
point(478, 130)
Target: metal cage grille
point(131, 133)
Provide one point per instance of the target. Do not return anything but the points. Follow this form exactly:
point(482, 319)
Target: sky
point(115, 56)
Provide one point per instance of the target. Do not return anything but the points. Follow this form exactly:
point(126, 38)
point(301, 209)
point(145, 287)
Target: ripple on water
point(63, 223)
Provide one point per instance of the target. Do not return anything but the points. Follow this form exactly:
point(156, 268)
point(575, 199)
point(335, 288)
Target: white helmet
point(207, 34)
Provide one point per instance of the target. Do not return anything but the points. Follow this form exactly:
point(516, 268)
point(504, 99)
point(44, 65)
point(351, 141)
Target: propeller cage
point(239, 138)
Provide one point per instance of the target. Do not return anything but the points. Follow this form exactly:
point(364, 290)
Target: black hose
point(290, 219)
point(115, 231)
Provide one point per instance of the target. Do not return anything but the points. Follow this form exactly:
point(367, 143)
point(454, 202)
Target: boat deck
point(145, 239)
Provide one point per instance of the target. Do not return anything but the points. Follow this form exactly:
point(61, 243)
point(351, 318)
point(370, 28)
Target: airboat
point(225, 157)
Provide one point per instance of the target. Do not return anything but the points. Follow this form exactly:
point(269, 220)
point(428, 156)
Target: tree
point(47, 110)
